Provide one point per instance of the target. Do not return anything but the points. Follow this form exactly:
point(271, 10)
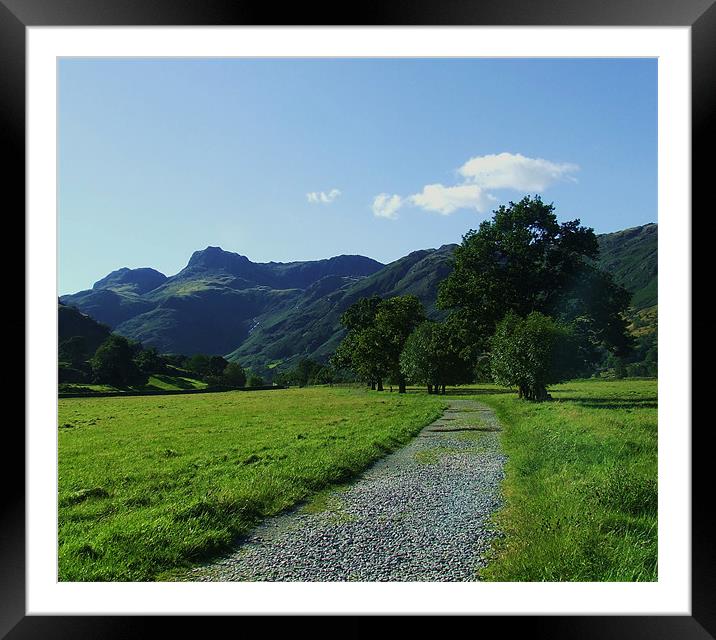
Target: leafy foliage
point(431, 357)
point(113, 363)
point(306, 372)
point(524, 260)
point(234, 375)
point(255, 380)
point(533, 352)
point(73, 350)
point(149, 361)
point(377, 332)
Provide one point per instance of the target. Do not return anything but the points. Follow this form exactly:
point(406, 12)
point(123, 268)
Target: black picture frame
point(700, 15)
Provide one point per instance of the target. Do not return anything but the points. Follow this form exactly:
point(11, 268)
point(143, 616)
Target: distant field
point(175, 380)
point(149, 484)
point(581, 484)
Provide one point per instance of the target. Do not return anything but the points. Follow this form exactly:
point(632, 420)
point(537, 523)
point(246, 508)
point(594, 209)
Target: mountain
point(71, 323)
point(271, 314)
point(311, 327)
point(126, 280)
point(631, 257)
point(210, 305)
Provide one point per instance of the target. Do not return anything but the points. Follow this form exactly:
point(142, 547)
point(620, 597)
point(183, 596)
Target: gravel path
point(420, 514)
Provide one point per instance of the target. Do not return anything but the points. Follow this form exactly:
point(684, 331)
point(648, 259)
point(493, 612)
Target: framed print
point(357, 146)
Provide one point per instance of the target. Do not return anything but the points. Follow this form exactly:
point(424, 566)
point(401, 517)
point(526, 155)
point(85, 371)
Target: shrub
point(532, 353)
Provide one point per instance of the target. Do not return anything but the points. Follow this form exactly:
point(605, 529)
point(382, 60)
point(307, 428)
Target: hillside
point(311, 327)
point(269, 315)
point(211, 305)
point(72, 323)
point(631, 257)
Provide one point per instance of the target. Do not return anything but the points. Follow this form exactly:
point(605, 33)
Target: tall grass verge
point(581, 484)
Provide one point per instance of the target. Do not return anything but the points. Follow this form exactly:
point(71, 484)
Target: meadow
point(151, 484)
point(581, 484)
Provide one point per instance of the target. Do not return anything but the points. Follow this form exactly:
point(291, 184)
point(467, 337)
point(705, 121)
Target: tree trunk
point(372, 385)
point(401, 384)
point(443, 389)
point(380, 384)
point(430, 389)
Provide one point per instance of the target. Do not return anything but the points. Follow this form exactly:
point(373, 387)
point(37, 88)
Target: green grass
point(581, 484)
point(173, 381)
point(170, 383)
point(151, 484)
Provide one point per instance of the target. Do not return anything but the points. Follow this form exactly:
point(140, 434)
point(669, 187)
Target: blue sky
point(305, 159)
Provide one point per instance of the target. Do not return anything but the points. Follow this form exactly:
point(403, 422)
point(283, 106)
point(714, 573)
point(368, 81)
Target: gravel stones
point(419, 514)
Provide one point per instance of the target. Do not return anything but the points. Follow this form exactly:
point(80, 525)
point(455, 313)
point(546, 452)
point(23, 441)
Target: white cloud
point(515, 171)
point(480, 176)
point(322, 196)
point(386, 205)
point(446, 200)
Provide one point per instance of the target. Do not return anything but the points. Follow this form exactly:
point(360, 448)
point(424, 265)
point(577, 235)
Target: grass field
point(581, 484)
point(173, 380)
point(151, 484)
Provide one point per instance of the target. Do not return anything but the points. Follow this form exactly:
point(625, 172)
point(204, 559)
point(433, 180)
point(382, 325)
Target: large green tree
point(362, 352)
point(233, 375)
point(533, 352)
point(113, 363)
point(377, 331)
point(149, 361)
point(359, 349)
point(395, 319)
point(432, 358)
point(525, 260)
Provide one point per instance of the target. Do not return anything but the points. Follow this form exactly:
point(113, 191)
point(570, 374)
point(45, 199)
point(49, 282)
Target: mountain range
point(271, 314)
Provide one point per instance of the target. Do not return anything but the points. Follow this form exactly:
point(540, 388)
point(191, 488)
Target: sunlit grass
point(581, 485)
point(150, 484)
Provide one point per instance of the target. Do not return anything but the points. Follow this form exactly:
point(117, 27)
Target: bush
point(532, 353)
point(113, 363)
point(255, 380)
point(234, 375)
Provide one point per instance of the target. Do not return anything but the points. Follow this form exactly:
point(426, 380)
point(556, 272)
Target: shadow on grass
point(612, 403)
point(177, 382)
point(451, 429)
point(477, 392)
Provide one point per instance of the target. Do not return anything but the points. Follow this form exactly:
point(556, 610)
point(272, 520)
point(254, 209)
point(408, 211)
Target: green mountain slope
point(631, 257)
point(72, 323)
point(271, 314)
point(211, 305)
point(311, 328)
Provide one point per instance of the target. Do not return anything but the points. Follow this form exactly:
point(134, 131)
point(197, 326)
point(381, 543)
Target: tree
point(395, 319)
point(149, 361)
point(377, 331)
point(199, 365)
point(362, 352)
point(113, 363)
point(361, 314)
point(234, 375)
point(431, 358)
point(216, 365)
point(255, 380)
point(532, 353)
point(524, 260)
point(360, 349)
point(309, 371)
point(73, 350)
